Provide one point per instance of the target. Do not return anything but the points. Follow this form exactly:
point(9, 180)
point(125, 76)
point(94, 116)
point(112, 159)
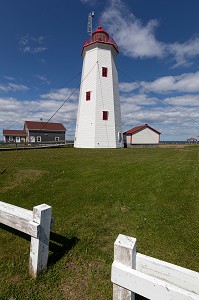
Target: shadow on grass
point(58, 246)
point(15, 232)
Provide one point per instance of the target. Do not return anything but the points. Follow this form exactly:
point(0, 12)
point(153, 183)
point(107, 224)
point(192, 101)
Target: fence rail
point(149, 277)
point(37, 224)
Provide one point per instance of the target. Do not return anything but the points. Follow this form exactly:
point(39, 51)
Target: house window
point(104, 72)
point(10, 138)
point(38, 139)
point(105, 115)
point(32, 139)
point(57, 139)
point(88, 96)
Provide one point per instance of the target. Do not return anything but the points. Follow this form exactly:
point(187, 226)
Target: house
point(43, 132)
point(37, 132)
point(14, 136)
point(141, 137)
point(192, 140)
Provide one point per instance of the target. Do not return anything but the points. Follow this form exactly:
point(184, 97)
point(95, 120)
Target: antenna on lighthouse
point(90, 25)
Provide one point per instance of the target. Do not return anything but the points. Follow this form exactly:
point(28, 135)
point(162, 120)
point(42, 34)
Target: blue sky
point(41, 43)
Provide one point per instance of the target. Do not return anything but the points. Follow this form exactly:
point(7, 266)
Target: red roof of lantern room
point(102, 37)
point(100, 30)
point(139, 128)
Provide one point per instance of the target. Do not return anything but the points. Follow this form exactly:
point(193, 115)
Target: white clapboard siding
point(149, 277)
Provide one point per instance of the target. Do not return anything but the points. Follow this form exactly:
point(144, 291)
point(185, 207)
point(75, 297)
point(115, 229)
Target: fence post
point(124, 253)
point(39, 246)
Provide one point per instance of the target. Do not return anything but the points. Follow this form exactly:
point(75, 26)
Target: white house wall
point(128, 139)
point(145, 136)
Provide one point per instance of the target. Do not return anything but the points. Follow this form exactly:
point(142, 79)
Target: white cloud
point(126, 87)
point(90, 2)
point(134, 38)
point(138, 40)
point(10, 78)
point(32, 45)
point(62, 94)
point(187, 82)
point(42, 60)
point(43, 78)
point(14, 112)
point(11, 87)
point(184, 52)
point(137, 107)
point(175, 112)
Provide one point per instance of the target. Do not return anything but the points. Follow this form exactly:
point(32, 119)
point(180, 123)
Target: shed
point(141, 137)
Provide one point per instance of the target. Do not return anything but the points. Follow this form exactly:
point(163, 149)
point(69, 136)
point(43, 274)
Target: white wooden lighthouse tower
point(99, 117)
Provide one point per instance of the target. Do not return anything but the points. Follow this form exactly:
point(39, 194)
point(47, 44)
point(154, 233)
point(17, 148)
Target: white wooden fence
point(149, 277)
point(35, 223)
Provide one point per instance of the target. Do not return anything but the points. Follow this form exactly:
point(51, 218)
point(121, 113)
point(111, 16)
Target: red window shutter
point(88, 96)
point(105, 115)
point(104, 72)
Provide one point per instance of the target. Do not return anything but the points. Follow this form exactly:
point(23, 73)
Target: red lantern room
point(100, 36)
point(100, 33)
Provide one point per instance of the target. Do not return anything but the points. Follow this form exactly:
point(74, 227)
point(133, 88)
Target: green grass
point(150, 194)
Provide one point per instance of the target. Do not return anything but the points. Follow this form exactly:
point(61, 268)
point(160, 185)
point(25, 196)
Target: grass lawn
point(149, 194)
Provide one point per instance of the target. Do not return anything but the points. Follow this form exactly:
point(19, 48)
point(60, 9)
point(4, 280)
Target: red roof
point(14, 132)
point(31, 125)
point(139, 128)
point(100, 30)
point(192, 139)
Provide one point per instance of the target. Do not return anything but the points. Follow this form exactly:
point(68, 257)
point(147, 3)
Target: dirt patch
point(22, 177)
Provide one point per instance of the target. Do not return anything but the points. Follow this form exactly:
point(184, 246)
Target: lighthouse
point(98, 122)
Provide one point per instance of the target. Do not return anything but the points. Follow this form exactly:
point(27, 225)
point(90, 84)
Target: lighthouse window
point(104, 72)
point(105, 115)
point(88, 96)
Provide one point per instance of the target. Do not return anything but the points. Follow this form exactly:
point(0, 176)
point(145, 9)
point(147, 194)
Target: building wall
point(47, 136)
point(14, 139)
point(117, 106)
point(127, 138)
point(145, 136)
point(91, 130)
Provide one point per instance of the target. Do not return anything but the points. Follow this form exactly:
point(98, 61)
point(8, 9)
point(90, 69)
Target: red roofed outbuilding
point(141, 136)
point(192, 140)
